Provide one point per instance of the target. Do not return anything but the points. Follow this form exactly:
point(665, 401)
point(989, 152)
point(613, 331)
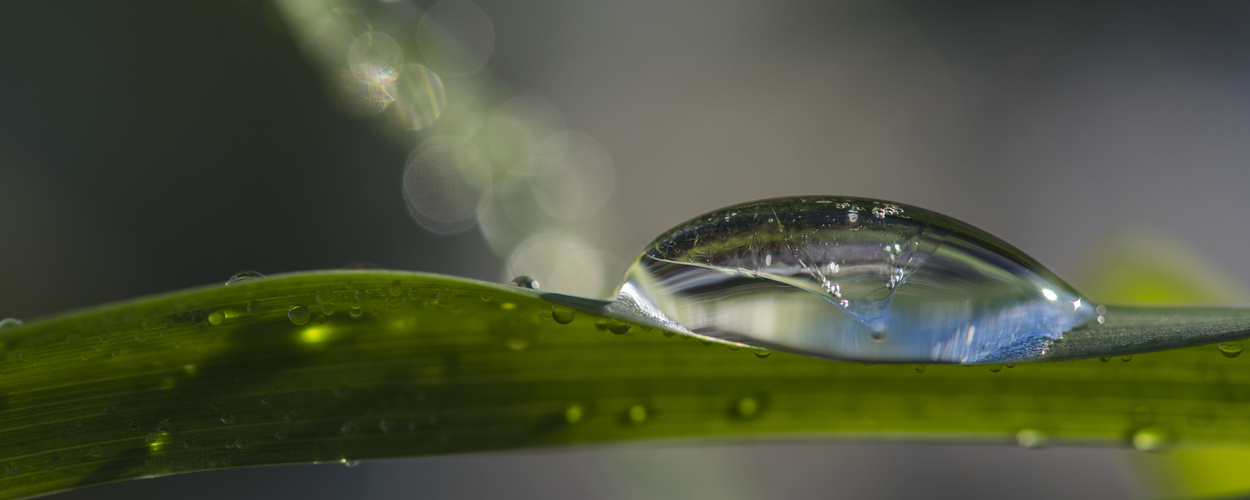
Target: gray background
point(146, 147)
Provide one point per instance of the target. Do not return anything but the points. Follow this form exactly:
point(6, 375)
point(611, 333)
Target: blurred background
point(149, 146)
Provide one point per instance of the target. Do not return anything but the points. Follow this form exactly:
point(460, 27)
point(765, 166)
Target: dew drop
point(254, 308)
point(356, 313)
point(240, 443)
point(350, 428)
point(1230, 349)
point(227, 418)
point(617, 326)
point(804, 275)
point(1030, 438)
point(10, 323)
point(524, 281)
point(562, 314)
point(216, 318)
point(445, 298)
point(747, 407)
point(919, 368)
point(290, 417)
point(762, 353)
point(1126, 358)
point(1105, 359)
point(996, 368)
point(385, 425)
point(298, 314)
point(1150, 440)
point(574, 413)
point(637, 414)
point(327, 309)
point(96, 451)
point(242, 276)
point(266, 399)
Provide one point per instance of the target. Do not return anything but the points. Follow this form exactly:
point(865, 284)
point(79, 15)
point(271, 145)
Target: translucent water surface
point(854, 279)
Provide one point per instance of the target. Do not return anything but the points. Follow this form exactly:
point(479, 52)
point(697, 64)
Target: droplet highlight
point(242, 276)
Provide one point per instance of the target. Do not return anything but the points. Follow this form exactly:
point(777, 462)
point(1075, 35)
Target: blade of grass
point(330, 366)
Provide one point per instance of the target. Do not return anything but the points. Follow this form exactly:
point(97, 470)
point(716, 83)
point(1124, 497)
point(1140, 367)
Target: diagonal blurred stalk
point(344, 366)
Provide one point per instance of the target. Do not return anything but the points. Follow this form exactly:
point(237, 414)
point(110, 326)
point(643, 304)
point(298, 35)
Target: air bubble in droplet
point(524, 281)
point(298, 314)
point(242, 276)
point(1230, 349)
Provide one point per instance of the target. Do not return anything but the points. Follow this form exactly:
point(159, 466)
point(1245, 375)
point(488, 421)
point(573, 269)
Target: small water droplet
point(266, 399)
point(96, 451)
point(349, 428)
point(356, 313)
point(919, 368)
point(1230, 349)
point(12, 468)
point(9, 323)
point(216, 318)
point(763, 353)
point(1105, 359)
point(327, 309)
point(747, 407)
point(385, 425)
point(637, 414)
point(1126, 358)
point(734, 347)
point(562, 314)
point(350, 464)
point(242, 276)
point(996, 368)
point(298, 314)
point(574, 413)
point(617, 326)
point(445, 298)
point(240, 443)
point(254, 308)
point(516, 342)
point(1030, 438)
point(1150, 440)
point(524, 281)
point(279, 435)
point(290, 417)
point(227, 418)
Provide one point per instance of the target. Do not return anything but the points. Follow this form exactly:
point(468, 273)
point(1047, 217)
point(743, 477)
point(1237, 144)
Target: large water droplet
point(8, 323)
point(1230, 349)
point(563, 314)
point(524, 281)
point(242, 276)
point(853, 279)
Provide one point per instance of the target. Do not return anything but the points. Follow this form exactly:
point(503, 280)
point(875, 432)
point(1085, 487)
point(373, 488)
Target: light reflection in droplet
point(443, 184)
point(419, 98)
point(456, 37)
point(574, 175)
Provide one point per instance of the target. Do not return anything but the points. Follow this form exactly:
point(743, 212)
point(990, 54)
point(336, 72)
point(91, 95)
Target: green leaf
point(350, 365)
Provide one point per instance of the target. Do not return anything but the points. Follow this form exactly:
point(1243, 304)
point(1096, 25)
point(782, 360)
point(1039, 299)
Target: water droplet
point(12, 468)
point(904, 285)
point(327, 309)
point(8, 323)
point(1126, 358)
point(216, 318)
point(266, 399)
point(574, 413)
point(1150, 440)
point(445, 298)
point(1030, 438)
point(762, 353)
point(290, 417)
point(298, 314)
point(242, 276)
point(919, 368)
point(637, 414)
point(1230, 349)
point(563, 315)
point(385, 425)
point(524, 281)
point(996, 368)
point(747, 407)
point(96, 451)
point(349, 428)
point(1105, 359)
point(350, 464)
point(227, 418)
point(617, 326)
point(240, 443)
point(254, 308)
